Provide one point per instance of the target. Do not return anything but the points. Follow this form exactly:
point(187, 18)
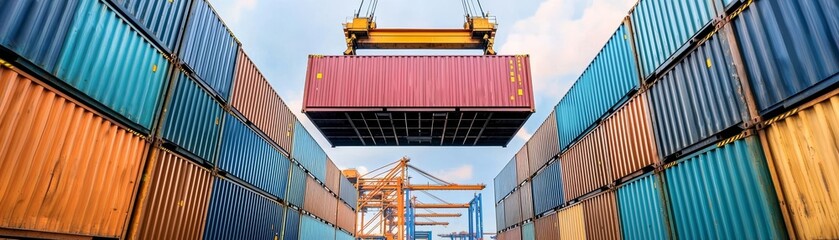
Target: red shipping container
point(418, 100)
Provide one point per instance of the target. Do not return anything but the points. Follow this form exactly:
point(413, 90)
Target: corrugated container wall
point(526, 194)
point(547, 227)
point(341, 235)
point(642, 210)
point(572, 224)
point(209, 48)
point(291, 225)
point(247, 156)
point(296, 186)
point(106, 59)
point(631, 143)
point(308, 153)
point(662, 28)
point(238, 213)
point(499, 216)
point(585, 166)
point(348, 192)
point(605, 82)
point(697, 98)
point(528, 231)
point(162, 20)
point(346, 217)
point(789, 48)
point(193, 119)
point(36, 29)
point(254, 98)
point(321, 203)
point(601, 217)
point(93, 164)
point(734, 180)
point(542, 146)
point(547, 189)
point(174, 203)
point(513, 234)
point(802, 147)
point(522, 166)
point(312, 229)
point(333, 176)
point(512, 209)
point(505, 182)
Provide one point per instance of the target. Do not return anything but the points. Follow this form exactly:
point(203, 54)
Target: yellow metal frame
point(478, 33)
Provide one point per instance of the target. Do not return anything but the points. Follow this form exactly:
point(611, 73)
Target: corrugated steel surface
point(333, 176)
point(63, 168)
point(238, 213)
point(606, 80)
point(642, 210)
point(341, 235)
point(513, 234)
point(528, 231)
point(308, 152)
point(193, 119)
point(697, 98)
point(505, 182)
point(411, 81)
point(312, 229)
point(585, 166)
point(163, 20)
point(547, 189)
point(175, 202)
point(631, 143)
point(572, 224)
point(547, 227)
point(788, 47)
point(661, 28)
point(106, 59)
point(501, 236)
point(346, 217)
point(254, 97)
point(209, 48)
point(543, 145)
point(522, 166)
point(512, 209)
point(348, 192)
point(725, 192)
point(248, 156)
point(526, 193)
point(803, 150)
point(499, 216)
point(601, 217)
point(322, 204)
point(296, 186)
point(36, 29)
point(291, 225)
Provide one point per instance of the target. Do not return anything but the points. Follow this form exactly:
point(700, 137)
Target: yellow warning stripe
point(732, 139)
point(779, 118)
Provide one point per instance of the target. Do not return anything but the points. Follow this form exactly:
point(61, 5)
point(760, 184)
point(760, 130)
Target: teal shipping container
point(313, 229)
point(348, 192)
point(238, 213)
point(341, 235)
point(528, 231)
point(162, 20)
point(209, 49)
point(505, 181)
point(642, 212)
point(308, 153)
point(251, 158)
point(193, 120)
point(296, 186)
point(36, 29)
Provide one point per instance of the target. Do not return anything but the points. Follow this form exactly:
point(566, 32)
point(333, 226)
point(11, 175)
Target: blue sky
point(561, 36)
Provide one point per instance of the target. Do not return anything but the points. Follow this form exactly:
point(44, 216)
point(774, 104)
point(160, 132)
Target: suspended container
point(348, 193)
point(505, 182)
point(193, 121)
point(631, 145)
point(296, 186)
point(308, 152)
point(526, 194)
point(572, 224)
point(313, 229)
point(405, 100)
point(250, 158)
point(522, 165)
point(238, 213)
point(321, 203)
point(547, 227)
point(36, 29)
point(585, 166)
point(209, 49)
point(642, 210)
point(162, 21)
point(543, 145)
point(601, 217)
point(547, 189)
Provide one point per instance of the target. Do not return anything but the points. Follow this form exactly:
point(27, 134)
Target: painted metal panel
point(409, 81)
point(547, 227)
point(522, 165)
point(238, 213)
point(308, 153)
point(505, 182)
point(254, 97)
point(585, 166)
point(346, 217)
point(697, 98)
point(788, 48)
point(499, 216)
point(193, 119)
point(605, 82)
point(36, 29)
point(162, 20)
point(248, 156)
point(642, 210)
point(333, 176)
point(348, 192)
point(313, 229)
point(601, 217)
point(547, 189)
point(663, 27)
point(572, 224)
point(296, 186)
point(209, 48)
point(526, 194)
point(802, 147)
point(291, 225)
point(528, 231)
point(341, 235)
point(106, 59)
point(63, 168)
point(174, 201)
point(512, 209)
point(513, 234)
point(631, 143)
point(543, 145)
point(726, 193)
point(322, 204)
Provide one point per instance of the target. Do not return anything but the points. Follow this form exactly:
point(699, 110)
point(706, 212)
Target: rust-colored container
point(346, 217)
point(543, 145)
point(601, 216)
point(255, 99)
point(630, 141)
point(526, 201)
point(320, 202)
point(174, 199)
point(522, 166)
point(547, 227)
point(585, 166)
point(63, 168)
point(572, 224)
point(513, 234)
point(333, 176)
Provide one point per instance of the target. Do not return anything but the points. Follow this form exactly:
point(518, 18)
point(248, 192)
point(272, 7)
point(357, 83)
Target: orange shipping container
point(333, 176)
point(572, 223)
point(522, 166)
point(601, 217)
point(543, 145)
point(630, 141)
point(513, 234)
point(547, 227)
point(585, 166)
point(346, 217)
point(63, 168)
point(320, 202)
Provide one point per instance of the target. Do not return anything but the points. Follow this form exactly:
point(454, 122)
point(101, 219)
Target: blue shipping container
point(209, 48)
point(292, 224)
point(547, 188)
point(505, 182)
point(36, 29)
point(341, 235)
point(308, 153)
point(193, 119)
point(238, 213)
point(246, 155)
point(664, 27)
point(313, 229)
point(296, 186)
point(499, 217)
point(789, 48)
point(697, 98)
point(528, 231)
point(110, 62)
point(162, 20)
point(605, 82)
point(725, 193)
point(642, 212)
point(348, 192)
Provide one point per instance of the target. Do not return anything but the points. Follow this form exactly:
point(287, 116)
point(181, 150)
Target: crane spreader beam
point(478, 33)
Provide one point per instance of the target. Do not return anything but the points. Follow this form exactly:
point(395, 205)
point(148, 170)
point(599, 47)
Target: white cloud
point(458, 174)
point(362, 170)
point(523, 134)
point(240, 6)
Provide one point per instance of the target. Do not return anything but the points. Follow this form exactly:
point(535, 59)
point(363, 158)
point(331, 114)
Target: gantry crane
point(478, 32)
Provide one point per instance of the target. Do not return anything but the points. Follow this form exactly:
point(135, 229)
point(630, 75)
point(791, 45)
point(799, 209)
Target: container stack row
point(698, 119)
point(147, 120)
